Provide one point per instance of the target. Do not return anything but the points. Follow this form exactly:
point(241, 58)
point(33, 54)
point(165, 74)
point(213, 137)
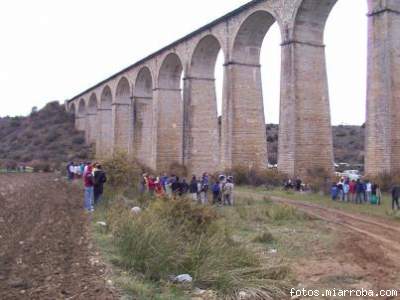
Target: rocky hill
point(46, 137)
point(348, 143)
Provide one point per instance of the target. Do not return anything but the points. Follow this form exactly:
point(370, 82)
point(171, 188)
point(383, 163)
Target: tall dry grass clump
point(172, 237)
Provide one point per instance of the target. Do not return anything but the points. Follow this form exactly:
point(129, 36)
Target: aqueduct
point(163, 108)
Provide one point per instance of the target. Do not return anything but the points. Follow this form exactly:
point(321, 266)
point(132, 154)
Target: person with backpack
point(99, 180)
point(88, 183)
point(227, 192)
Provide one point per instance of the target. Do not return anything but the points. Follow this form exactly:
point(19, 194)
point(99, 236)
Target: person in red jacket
point(151, 185)
point(88, 184)
point(352, 190)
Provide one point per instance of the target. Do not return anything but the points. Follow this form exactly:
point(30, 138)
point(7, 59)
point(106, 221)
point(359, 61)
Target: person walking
point(395, 197)
point(88, 184)
point(99, 181)
point(193, 188)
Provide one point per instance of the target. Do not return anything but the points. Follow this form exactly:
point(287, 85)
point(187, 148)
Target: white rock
point(101, 223)
point(183, 278)
point(136, 210)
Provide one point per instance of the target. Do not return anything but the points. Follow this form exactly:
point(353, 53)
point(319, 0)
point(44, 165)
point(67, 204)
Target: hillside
point(348, 143)
point(45, 137)
point(48, 137)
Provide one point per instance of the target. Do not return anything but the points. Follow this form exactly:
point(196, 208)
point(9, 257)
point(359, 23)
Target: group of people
point(93, 180)
point(357, 191)
point(198, 188)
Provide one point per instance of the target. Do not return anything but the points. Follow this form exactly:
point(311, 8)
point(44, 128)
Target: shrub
point(387, 180)
point(257, 177)
point(122, 171)
point(40, 166)
point(320, 179)
point(266, 237)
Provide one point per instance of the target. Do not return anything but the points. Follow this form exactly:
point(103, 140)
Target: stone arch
point(168, 114)
point(201, 117)
point(249, 37)
point(122, 116)
point(310, 21)
point(170, 73)
point(143, 116)
point(104, 123)
point(91, 119)
point(72, 108)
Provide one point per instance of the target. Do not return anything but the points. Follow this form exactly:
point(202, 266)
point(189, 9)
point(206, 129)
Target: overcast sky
point(53, 50)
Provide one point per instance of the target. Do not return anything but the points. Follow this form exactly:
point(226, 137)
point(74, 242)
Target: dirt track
point(45, 252)
point(368, 248)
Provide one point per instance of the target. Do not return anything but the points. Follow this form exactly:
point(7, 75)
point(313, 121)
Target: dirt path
point(368, 248)
point(45, 252)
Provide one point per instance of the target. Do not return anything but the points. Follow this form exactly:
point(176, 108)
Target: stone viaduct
point(163, 108)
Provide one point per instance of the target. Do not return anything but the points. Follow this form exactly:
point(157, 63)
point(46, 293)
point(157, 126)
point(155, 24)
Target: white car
point(352, 174)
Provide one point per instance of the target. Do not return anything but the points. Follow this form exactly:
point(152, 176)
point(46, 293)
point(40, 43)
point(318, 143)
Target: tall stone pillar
point(244, 141)
point(168, 126)
point(201, 138)
point(382, 152)
point(143, 132)
point(122, 126)
point(104, 136)
point(91, 128)
point(80, 123)
point(305, 137)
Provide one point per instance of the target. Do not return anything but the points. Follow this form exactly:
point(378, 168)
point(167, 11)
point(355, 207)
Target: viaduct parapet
point(146, 111)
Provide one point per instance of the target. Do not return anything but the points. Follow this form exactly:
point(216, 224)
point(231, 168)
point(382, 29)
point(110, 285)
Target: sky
point(53, 50)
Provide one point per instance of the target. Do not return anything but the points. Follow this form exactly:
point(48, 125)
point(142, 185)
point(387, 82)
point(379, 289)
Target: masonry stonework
point(162, 109)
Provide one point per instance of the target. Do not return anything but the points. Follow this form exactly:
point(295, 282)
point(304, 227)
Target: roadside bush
point(387, 180)
point(174, 237)
point(320, 179)
point(122, 171)
point(257, 177)
point(265, 238)
point(40, 166)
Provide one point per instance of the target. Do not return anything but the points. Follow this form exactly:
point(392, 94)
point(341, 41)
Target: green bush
point(387, 180)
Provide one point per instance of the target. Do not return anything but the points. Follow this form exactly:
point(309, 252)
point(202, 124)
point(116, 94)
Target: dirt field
point(45, 252)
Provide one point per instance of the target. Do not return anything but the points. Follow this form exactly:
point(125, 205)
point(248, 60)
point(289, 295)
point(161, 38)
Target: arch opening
point(104, 123)
point(91, 119)
point(202, 129)
point(249, 78)
point(122, 116)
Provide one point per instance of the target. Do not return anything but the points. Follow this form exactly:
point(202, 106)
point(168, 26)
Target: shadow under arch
point(91, 119)
point(123, 116)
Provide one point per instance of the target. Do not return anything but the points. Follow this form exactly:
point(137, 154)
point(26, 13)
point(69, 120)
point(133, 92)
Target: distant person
point(298, 184)
point(70, 171)
point(183, 188)
point(159, 189)
point(204, 188)
point(151, 185)
point(376, 195)
point(228, 192)
point(334, 191)
point(346, 190)
point(193, 190)
point(88, 184)
point(99, 180)
point(395, 197)
point(360, 192)
point(176, 185)
point(339, 185)
point(368, 191)
point(352, 190)
point(216, 191)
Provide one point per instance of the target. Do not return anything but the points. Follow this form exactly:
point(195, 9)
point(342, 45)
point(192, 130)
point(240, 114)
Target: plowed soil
point(45, 249)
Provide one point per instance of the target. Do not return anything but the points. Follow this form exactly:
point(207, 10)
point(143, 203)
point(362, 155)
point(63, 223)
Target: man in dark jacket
point(395, 197)
point(99, 180)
